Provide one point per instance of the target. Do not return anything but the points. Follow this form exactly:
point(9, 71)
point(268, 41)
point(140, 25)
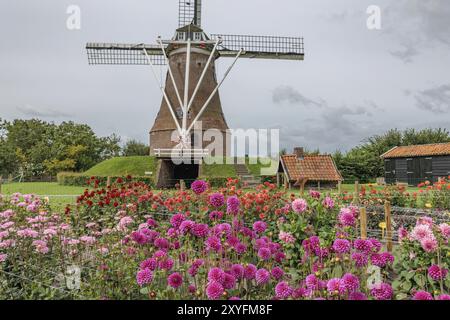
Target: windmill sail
point(124, 54)
point(190, 12)
point(262, 47)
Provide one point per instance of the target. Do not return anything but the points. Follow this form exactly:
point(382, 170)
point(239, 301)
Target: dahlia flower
point(264, 253)
point(176, 220)
point(233, 205)
point(277, 273)
point(283, 290)
point(382, 292)
point(444, 229)
point(357, 296)
point(200, 230)
point(346, 217)
point(360, 259)
point(199, 186)
point(341, 245)
point(422, 295)
point(286, 237)
point(349, 283)
point(216, 200)
point(437, 273)
point(328, 203)
point(299, 205)
point(150, 264)
point(237, 271)
point(216, 275)
point(443, 297)
point(421, 232)
point(144, 277)
point(229, 281)
point(259, 226)
point(175, 280)
point(213, 243)
point(429, 244)
point(250, 272)
point(262, 276)
point(214, 290)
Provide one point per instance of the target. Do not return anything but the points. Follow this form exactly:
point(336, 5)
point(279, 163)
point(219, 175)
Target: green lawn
point(41, 188)
point(120, 166)
point(217, 170)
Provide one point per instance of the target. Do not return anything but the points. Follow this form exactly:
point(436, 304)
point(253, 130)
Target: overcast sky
point(354, 82)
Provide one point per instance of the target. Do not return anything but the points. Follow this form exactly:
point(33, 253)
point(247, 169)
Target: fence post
point(387, 215)
point(108, 182)
point(363, 222)
point(356, 195)
point(339, 187)
point(10, 178)
point(182, 185)
point(1, 181)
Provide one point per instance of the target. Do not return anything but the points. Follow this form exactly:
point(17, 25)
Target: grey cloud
point(417, 25)
point(31, 111)
point(292, 96)
point(436, 100)
point(406, 54)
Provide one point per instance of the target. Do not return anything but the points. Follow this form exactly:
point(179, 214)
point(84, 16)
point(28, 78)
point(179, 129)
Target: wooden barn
point(308, 171)
point(416, 164)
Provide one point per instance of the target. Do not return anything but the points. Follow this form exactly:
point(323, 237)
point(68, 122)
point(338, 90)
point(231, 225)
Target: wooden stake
point(1, 181)
point(10, 178)
point(356, 196)
point(387, 215)
point(363, 223)
point(182, 185)
point(340, 187)
point(108, 182)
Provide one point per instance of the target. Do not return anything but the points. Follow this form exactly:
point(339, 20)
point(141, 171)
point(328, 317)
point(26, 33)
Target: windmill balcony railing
point(181, 153)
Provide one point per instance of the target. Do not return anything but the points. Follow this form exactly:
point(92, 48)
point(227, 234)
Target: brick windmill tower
point(191, 91)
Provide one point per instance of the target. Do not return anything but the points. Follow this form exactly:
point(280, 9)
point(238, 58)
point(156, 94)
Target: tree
point(364, 162)
point(37, 148)
point(135, 148)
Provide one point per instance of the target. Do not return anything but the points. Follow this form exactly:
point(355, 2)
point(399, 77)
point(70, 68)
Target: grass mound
point(120, 166)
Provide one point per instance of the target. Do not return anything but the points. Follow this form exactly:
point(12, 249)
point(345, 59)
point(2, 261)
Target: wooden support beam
point(356, 195)
point(182, 185)
point(108, 182)
point(363, 222)
point(388, 219)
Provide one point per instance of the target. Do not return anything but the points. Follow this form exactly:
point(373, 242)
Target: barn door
point(427, 169)
point(410, 172)
point(389, 165)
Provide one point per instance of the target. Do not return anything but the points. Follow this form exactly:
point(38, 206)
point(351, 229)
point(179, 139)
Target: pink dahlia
point(402, 234)
point(259, 226)
point(346, 217)
point(283, 290)
point(376, 245)
point(199, 186)
point(429, 244)
point(299, 205)
point(333, 285)
point(144, 277)
point(360, 259)
point(186, 226)
point(349, 283)
point(328, 203)
point(150, 263)
point(200, 230)
point(421, 232)
point(237, 271)
point(262, 276)
point(444, 228)
point(264, 253)
point(216, 275)
point(216, 215)
point(3, 257)
point(214, 290)
point(286, 237)
point(229, 281)
point(341, 246)
point(382, 292)
point(213, 243)
point(312, 282)
point(443, 297)
point(436, 273)
point(314, 194)
point(422, 295)
point(216, 200)
point(233, 205)
point(250, 272)
point(175, 280)
point(176, 220)
point(277, 273)
point(234, 299)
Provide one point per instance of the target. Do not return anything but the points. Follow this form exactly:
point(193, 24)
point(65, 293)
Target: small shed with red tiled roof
point(311, 170)
point(417, 163)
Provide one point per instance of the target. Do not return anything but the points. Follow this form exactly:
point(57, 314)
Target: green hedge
point(81, 180)
point(216, 182)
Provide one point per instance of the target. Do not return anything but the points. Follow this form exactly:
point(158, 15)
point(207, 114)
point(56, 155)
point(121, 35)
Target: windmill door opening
point(171, 174)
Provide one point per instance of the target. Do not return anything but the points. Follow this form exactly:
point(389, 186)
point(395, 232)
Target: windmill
point(191, 88)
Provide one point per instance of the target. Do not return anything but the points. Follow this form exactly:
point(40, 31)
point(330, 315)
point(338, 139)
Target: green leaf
point(401, 296)
point(145, 290)
point(407, 285)
point(337, 272)
point(420, 280)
